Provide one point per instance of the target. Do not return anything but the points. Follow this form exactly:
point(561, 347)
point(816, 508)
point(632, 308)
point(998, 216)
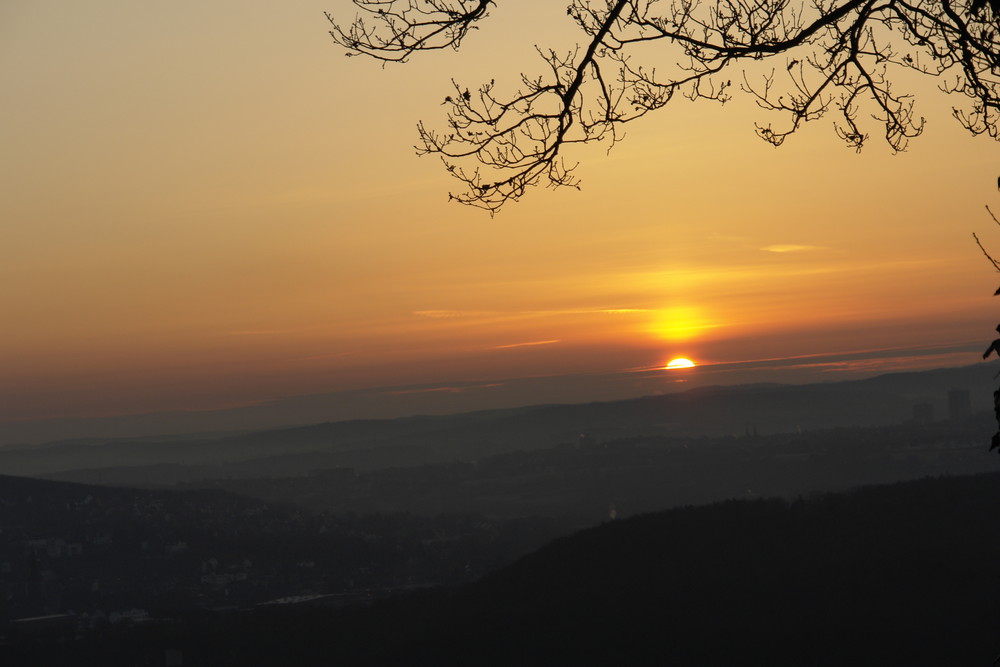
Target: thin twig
point(996, 265)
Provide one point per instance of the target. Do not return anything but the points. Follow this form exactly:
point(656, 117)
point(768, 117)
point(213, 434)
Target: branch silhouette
point(830, 56)
point(995, 345)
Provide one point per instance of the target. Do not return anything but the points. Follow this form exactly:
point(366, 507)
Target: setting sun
point(680, 363)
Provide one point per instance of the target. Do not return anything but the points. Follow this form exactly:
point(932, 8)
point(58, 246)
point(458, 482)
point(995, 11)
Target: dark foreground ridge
point(903, 574)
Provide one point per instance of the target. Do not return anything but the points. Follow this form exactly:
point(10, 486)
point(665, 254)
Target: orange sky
point(204, 206)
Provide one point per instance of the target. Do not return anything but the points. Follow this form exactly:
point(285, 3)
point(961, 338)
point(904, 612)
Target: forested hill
point(896, 575)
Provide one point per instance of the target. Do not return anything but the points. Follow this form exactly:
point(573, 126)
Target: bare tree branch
point(398, 29)
point(832, 56)
point(996, 265)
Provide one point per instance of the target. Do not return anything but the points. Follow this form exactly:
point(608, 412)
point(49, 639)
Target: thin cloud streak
point(872, 353)
point(790, 247)
point(841, 360)
point(262, 332)
point(448, 389)
point(764, 272)
point(885, 364)
point(527, 344)
point(449, 314)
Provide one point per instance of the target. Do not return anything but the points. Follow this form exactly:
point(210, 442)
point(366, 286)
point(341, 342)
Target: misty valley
point(608, 533)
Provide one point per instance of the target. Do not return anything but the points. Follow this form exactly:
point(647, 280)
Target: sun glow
point(680, 362)
point(680, 323)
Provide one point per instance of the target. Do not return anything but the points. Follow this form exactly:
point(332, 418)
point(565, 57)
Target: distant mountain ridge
point(383, 403)
point(407, 441)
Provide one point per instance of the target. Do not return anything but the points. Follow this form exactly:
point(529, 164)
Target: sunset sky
point(206, 205)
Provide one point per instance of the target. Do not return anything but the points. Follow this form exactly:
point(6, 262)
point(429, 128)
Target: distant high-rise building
point(959, 405)
point(923, 414)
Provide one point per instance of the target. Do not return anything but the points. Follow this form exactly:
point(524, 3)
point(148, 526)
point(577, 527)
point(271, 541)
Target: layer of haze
point(206, 205)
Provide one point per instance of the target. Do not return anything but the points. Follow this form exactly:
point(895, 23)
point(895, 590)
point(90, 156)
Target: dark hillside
point(896, 575)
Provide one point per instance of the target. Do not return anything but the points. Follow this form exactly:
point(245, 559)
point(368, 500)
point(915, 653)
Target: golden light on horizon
point(680, 362)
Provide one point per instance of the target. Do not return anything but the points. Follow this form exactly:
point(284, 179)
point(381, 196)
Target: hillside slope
point(896, 575)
